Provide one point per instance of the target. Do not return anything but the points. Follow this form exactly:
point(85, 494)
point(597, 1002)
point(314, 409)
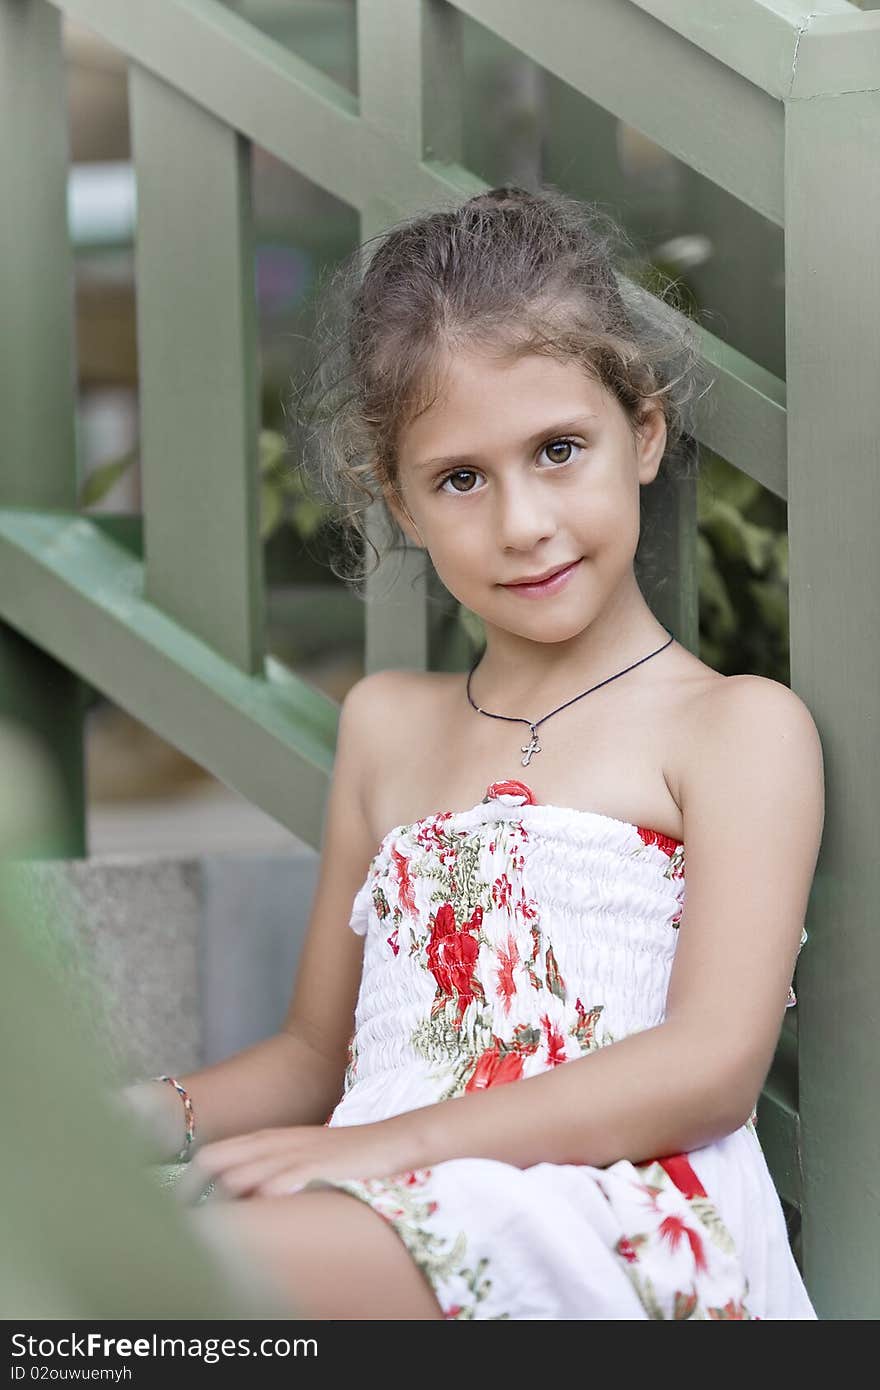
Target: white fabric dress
point(501, 941)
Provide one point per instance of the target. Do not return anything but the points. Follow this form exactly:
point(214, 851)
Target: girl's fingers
point(261, 1141)
point(282, 1185)
point(241, 1179)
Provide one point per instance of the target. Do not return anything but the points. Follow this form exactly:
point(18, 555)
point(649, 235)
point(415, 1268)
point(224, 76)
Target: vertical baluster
point(409, 67)
point(197, 354)
point(37, 368)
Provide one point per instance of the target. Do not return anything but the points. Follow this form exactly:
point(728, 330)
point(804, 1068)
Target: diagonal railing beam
point(80, 596)
point(591, 47)
point(729, 71)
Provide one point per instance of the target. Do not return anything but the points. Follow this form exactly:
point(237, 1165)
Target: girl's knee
point(325, 1252)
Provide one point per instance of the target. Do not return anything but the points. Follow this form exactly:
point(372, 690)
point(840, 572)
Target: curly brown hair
point(508, 269)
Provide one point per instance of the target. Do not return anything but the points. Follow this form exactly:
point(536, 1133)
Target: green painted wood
point(592, 52)
point(838, 53)
point(670, 579)
point(274, 98)
point(80, 597)
point(38, 466)
point(833, 348)
point(197, 348)
point(757, 38)
point(779, 1134)
point(37, 372)
point(409, 74)
point(45, 701)
point(744, 417)
point(259, 88)
point(778, 1121)
point(126, 528)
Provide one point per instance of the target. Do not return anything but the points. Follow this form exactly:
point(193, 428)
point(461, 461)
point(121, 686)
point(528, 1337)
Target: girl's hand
point(278, 1162)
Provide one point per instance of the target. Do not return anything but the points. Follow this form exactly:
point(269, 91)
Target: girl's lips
point(547, 586)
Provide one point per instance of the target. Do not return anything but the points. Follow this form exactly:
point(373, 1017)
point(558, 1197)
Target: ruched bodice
point(501, 941)
point(536, 930)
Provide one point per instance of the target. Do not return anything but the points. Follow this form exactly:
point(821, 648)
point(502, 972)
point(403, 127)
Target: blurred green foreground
point(86, 1229)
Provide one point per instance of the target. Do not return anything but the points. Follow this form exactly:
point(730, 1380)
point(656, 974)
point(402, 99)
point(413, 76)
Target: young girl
point(532, 1018)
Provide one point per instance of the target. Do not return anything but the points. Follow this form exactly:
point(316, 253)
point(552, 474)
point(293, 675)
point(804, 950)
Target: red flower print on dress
point(732, 1309)
point(525, 907)
point(501, 889)
point(651, 1191)
point(508, 961)
point(495, 1068)
point(685, 1304)
point(585, 1028)
point(675, 1229)
point(433, 835)
point(452, 958)
point(393, 942)
point(628, 1249)
point(406, 893)
point(679, 1168)
point(555, 982)
point(555, 1043)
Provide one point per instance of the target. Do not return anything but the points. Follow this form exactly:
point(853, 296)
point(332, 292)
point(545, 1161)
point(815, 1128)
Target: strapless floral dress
point(501, 941)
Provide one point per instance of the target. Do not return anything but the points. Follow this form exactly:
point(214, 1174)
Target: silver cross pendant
point(533, 746)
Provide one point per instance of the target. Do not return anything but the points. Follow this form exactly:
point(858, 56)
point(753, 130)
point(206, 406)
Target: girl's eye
point(469, 472)
point(565, 444)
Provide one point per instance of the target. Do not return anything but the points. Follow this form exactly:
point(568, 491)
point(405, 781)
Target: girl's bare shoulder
point(758, 697)
point(393, 702)
point(753, 726)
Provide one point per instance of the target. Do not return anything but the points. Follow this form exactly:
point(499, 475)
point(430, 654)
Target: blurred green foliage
point(743, 572)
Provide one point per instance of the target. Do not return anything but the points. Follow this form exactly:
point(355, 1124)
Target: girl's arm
point(294, 1077)
point(753, 807)
point(278, 1081)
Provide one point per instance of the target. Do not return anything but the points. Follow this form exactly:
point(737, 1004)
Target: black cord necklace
point(533, 746)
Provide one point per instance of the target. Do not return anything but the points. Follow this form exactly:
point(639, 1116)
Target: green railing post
point(37, 371)
point(197, 348)
point(833, 307)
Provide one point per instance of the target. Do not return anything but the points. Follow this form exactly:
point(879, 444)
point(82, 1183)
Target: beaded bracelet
point(190, 1119)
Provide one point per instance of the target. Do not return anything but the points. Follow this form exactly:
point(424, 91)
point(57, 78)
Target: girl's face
point(520, 467)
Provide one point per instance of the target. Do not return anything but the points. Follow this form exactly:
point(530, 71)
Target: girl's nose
point(524, 515)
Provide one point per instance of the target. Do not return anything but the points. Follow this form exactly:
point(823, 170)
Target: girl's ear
point(650, 442)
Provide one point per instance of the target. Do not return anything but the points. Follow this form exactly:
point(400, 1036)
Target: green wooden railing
point(777, 104)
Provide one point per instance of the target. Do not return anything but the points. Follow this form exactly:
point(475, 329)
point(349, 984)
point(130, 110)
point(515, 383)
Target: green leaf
point(722, 482)
point(738, 539)
point(780, 556)
point(102, 479)
point(293, 483)
point(307, 516)
point(272, 450)
point(713, 595)
point(271, 509)
point(771, 600)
